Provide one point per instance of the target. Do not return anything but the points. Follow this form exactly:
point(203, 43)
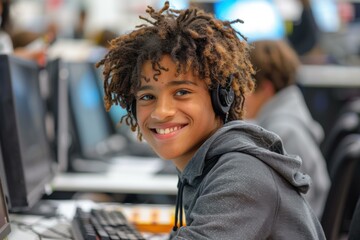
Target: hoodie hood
point(240, 136)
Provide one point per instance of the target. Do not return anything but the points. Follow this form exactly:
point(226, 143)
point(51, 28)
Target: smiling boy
point(183, 78)
point(174, 113)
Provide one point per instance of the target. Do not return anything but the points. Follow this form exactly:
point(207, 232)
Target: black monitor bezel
point(57, 107)
point(20, 198)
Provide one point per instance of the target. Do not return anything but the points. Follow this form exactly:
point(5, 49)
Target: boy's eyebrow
point(171, 83)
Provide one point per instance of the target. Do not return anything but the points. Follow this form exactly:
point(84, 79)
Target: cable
point(32, 227)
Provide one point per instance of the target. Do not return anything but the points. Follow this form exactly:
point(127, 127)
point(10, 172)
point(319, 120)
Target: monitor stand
point(42, 208)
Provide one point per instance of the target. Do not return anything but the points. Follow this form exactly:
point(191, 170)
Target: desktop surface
point(128, 174)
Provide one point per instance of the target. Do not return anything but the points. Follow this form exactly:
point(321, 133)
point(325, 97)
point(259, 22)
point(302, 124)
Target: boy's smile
point(174, 113)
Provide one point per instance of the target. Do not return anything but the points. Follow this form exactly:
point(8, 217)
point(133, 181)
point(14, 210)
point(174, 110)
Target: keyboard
point(100, 224)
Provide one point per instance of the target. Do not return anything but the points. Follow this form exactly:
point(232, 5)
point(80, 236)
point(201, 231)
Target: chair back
point(347, 123)
point(342, 174)
point(354, 232)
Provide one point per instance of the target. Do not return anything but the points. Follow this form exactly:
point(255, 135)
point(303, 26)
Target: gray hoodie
point(242, 185)
point(287, 115)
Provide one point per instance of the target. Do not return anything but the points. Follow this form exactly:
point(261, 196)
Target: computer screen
point(326, 15)
point(90, 121)
point(122, 132)
point(5, 228)
point(262, 20)
point(28, 160)
point(116, 111)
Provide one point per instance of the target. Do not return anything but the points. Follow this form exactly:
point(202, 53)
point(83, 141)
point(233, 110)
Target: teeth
point(166, 130)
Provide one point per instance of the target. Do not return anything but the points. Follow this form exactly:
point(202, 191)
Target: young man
point(183, 78)
point(278, 105)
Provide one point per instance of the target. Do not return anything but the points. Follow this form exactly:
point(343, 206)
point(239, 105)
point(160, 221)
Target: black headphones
point(221, 99)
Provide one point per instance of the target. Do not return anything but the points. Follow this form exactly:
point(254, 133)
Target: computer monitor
point(86, 135)
point(262, 20)
point(91, 125)
point(27, 157)
point(115, 112)
point(58, 109)
point(326, 15)
point(5, 228)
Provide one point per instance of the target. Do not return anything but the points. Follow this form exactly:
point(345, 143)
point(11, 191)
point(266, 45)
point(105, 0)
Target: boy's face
point(174, 113)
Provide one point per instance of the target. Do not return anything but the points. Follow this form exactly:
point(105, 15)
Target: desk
point(131, 175)
point(67, 209)
point(116, 183)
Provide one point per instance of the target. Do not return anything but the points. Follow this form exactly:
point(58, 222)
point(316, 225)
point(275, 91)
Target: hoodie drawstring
point(179, 205)
point(179, 198)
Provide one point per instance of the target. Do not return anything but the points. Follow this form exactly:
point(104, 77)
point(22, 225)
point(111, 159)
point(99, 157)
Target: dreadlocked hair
point(195, 40)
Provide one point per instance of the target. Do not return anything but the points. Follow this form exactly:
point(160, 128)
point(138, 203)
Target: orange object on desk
point(151, 218)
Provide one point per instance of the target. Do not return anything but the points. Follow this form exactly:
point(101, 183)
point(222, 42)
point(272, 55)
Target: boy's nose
point(164, 108)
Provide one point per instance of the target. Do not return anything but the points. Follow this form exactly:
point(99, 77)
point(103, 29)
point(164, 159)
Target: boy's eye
point(181, 92)
point(146, 97)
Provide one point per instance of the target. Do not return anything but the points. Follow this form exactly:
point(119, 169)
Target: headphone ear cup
point(216, 101)
point(226, 98)
point(222, 99)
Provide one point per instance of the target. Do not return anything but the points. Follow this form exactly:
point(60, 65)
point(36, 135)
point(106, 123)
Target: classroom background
point(91, 160)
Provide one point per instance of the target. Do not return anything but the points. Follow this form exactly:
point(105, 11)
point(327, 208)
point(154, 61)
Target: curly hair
point(195, 40)
point(276, 61)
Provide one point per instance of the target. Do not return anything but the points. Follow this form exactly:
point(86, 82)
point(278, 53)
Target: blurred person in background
point(103, 37)
point(305, 36)
point(277, 104)
point(79, 31)
point(7, 45)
